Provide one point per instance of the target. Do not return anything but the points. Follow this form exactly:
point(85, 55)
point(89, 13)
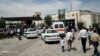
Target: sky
point(14, 8)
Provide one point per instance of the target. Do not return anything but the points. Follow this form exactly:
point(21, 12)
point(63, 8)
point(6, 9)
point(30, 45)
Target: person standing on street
point(11, 33)
point(90, 32)
point(95, 41)
point(83, 36)
point(69, 38)
point(73, 32)
point(18, 33)
point(62, 42)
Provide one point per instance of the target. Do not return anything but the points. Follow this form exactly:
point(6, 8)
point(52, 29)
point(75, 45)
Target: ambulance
point(59, 26)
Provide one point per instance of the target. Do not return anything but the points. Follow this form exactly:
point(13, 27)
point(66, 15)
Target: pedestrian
point(18, 33)
point(62, 42)
point(83, 36)
point(69, 38)
point(90, 32)
point(8, 30)
point(95, 41)
point(73, 32)
point(11, 33)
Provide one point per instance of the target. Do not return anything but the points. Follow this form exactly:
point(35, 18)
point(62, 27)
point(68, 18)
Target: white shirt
point(69, 35)
point(90, 33)
point(83, 33)
point(18, 30)
point(73, 30)
point(62, 42)
point(11, 31)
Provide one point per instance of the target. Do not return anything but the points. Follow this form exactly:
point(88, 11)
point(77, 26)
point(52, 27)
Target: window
point(72, 14)
point(56, 26)
point(31, 29)
point(51, 31)
point(61, 25)
point(39, 28)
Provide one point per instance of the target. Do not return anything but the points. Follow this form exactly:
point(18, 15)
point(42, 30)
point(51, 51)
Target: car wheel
point(37, 36)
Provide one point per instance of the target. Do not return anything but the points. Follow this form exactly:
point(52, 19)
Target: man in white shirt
point(18, 32)
point(11, 33)
point(69, 38)
point(83, 35)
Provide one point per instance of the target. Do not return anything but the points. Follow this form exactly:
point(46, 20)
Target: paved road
point(37, 47)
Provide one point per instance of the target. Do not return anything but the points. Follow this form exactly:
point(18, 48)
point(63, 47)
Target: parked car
point(30, 32)
point(50, 35)
point(39, 30)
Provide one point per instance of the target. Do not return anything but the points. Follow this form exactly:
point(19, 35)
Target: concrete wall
point(12, 22)
point(81, 15)
point(87, 20)
point(54, 17)
point(38, 22)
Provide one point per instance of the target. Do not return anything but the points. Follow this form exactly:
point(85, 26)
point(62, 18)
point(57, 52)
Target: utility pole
point(70, 6)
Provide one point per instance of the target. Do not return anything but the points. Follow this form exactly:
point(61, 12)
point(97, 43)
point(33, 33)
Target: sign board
point(61, 14)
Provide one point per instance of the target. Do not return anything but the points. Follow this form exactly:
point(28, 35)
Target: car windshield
point(31, 29)
point(56, 26)
point(61, 25)
point(39, 28)
point(51, 31)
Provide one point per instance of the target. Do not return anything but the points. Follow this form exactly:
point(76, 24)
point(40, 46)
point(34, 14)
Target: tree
point(42, 25)
point(80, 24)
point(2, 24)
point(96, 25)
point(48, 20)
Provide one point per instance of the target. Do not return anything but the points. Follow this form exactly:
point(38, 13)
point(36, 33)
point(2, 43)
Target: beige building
point(74, 17)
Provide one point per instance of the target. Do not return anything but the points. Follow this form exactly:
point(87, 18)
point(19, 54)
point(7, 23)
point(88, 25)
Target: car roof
point(31, 28)
point(58, 23)
point(50, 29)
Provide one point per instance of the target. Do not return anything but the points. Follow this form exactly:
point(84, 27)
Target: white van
point(59, 26)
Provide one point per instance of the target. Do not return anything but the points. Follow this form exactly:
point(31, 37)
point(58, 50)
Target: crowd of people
point(91, 35)
point(10, 32)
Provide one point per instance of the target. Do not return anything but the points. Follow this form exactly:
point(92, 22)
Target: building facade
point(73, 17)
point(36, 18)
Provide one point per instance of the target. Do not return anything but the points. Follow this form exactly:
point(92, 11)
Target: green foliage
point(42, 25)
point(96, 25)
point(80, 24)
point(1, 35)
point(48, 20)
point(2, 24)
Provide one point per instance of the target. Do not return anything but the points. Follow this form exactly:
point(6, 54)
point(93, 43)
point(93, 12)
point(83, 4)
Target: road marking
point(5, 51)
point(8, 52)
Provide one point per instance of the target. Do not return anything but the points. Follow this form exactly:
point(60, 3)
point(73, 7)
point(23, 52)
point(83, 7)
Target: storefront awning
point(21, 18)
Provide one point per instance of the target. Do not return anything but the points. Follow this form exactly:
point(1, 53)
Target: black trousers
point(62, 48)
point(83, 41)
point(11, 35)
point(95, 45)
point(19, 37)
point(69, 44)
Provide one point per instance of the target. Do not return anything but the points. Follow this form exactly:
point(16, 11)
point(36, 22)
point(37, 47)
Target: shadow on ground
point(74, 48)
point(53, 42)
point(88, 49)
point(32, 38)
